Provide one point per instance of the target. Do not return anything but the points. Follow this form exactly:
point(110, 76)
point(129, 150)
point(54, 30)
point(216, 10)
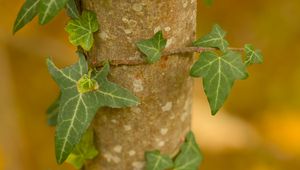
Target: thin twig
point(184, 50)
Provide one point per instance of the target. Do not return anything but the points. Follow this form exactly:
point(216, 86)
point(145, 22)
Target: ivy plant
point(219, 73)
point(153, 47)
point(81, 30)
point(219, 70)
point(254, 56)
point(85, 89)
point(83, 151)
point(216, 38)
point(189, 157)
point(83, 92)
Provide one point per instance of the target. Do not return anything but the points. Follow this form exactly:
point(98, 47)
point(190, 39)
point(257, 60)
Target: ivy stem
point(183, 50)
point(196, 50)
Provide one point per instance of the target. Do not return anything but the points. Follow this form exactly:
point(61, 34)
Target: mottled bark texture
point(164, 88)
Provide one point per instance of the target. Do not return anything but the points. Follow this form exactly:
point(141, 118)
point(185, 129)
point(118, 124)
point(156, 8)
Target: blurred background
point(258, 129)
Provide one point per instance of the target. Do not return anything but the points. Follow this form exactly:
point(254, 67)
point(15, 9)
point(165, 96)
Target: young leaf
point(153, 47)
point(83, 151)
point(82, 95)
point(48, 9)
point(53, 111)
point(72, 9)
point(253, 56)
point(190, 156)
point(81, 30)
point(219, 74)
point(156, 161)
point(215, 39)
point(28, 11)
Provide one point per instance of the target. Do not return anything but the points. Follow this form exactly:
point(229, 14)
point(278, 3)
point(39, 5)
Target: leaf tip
point(214, 112)
point(59, 160)
point(49, 61)
point(14, 30)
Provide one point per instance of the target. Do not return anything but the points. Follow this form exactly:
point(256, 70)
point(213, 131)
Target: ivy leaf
point(253, 56)
point(48, 9)
point(83, 93)
point(72, 9)
point(52, 112)
point(190, 156)
point(215, 39)
point(83, 151)
point(28, 11)
point(81, 30)
point(156, 161)
point(153, 47)
point(219, 74)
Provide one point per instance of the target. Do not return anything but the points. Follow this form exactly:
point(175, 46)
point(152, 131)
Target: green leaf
point(53, 111)
point(252, 56)
point(81, 30)
point(219, 74)
point(72, 9)
point(190, 156)
point(153, 47)
point(48, 9)
point(215, 39)
point(156, 161)
point(83, 151)
point(28, 11)
point(77, 108)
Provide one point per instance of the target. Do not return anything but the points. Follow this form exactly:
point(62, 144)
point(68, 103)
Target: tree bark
point(163, 118)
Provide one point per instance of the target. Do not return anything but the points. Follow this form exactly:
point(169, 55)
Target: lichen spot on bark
point(109, 157)
point(127, 127)
point(163, 131)
point(138, 165)
point(185, 3)
point(118, 149)
point(131, 153)
point(137, 7)
point(167, 29)
point(161, 143)
point(138, 85)
point(167, 107)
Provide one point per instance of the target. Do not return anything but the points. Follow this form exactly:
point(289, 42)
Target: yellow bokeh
point(283, 131)
point(258, 128)
point(1, 159)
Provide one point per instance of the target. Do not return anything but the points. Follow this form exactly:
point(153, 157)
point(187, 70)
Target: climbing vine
point(84, 88)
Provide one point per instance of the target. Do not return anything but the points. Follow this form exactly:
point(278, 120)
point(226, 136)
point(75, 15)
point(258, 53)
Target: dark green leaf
point(83, 151)
point(28, 11)
point(48, 9)
point(53, 111)
point(156, 161)
point(78, 107)
point(190, 156)
point(153, 47)
point(215, 39)
point(219, 74)
point(253, 56)
point(72, 9)
point(81, 30)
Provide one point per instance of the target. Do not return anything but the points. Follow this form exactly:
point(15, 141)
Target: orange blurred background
point(258, 129)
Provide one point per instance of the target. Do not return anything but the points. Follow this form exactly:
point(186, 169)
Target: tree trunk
point(162, 119)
